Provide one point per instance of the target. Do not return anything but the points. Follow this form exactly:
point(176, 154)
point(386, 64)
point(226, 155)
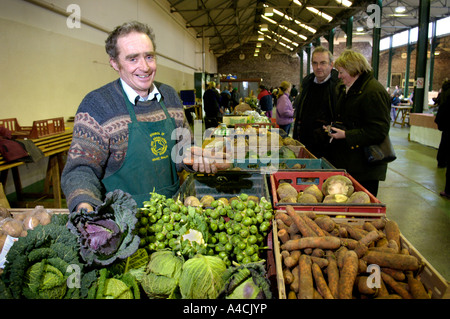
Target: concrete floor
point(411, 194)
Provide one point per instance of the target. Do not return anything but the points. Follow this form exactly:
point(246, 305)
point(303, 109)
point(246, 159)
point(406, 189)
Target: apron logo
point(158, 144)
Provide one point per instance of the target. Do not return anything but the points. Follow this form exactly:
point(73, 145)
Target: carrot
point(363, 288)
point(333, 276)
point(416, 287)
point(326, 223)
point(284, 218)
point(343, 233)
point(321, 262)
point(382, 242)
point(317, 295)
point(285, 254)
point(362, 265)
point(348, 275)
point(353, 232)
point(292, 295)
point(360, 249)
point(283, 235)
point(379, 223)
point(394, 273)
point(321, 284)
point(392, 232)
point(389, 296)
point(281, 224)
point(304, 229)
point(340, 253)
point(382, 291)
point(350, 243)
point(295, 283)
point(288, 276)
point(327, 242)
point(391, 282)
point(317, 252)
point(306, 284)
point(392, 260)
point(292, 230)
point(292, 260)
point(370, 237)
point(319, 231)
point(384, 249)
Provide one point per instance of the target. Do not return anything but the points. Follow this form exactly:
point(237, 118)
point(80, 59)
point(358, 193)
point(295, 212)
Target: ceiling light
point(261, 38)
point(258, 45)
point(400, 9)
point(268, 12)
point(257, 50)
point(269, 19)
point(298, 3)
point(345, 3)
point(320, 13)
point(256, 54)
point(359, 29)
point(264, 27)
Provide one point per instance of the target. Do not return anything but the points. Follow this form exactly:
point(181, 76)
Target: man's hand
point(86, 206)
point(207, 160)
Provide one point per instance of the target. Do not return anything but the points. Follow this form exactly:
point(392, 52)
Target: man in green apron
point(123, 131)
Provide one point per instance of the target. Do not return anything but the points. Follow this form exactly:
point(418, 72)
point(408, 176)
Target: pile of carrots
point(323, 259)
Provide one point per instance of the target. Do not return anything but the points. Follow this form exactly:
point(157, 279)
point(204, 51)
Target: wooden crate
point(429, 276)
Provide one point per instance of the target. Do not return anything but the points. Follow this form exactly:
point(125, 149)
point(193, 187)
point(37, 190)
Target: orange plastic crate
point(302, 179)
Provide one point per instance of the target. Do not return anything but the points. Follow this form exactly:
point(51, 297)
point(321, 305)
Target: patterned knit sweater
point(100, 139)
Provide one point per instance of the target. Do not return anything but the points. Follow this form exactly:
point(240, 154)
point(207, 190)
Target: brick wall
point(282, 67)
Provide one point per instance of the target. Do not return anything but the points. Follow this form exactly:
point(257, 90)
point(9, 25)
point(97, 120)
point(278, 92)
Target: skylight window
point(320, 13)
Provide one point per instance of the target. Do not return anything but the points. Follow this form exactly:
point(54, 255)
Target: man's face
point(136, 62)
point(321, 65)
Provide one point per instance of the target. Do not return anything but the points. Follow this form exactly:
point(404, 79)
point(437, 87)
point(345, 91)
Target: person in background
point(225, 99)
point(362, 119)
point(235, 98)
point(121, 134)
point(211, 105)
point(265, 101)
point(294, 93)
point(285, 112)
point(443, 122)
point(314, 106)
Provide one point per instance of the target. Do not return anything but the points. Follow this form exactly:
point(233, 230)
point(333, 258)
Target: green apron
point(148, 165)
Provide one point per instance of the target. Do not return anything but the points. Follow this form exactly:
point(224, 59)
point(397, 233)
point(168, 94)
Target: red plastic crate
point(302, 179)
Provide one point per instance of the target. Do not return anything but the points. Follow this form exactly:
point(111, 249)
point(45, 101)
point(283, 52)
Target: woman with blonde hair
point(362, 119)
point(285, 111)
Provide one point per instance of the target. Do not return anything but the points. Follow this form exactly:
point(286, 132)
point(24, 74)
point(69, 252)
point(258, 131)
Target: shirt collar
point(326, 79)
point(132, 95)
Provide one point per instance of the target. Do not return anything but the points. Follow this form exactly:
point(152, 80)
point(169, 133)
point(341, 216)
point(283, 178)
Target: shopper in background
point(235, 98)
point(285, 112)
point(314, 106)
point(443, 122)
point(122, 130)
point(362, 119)
point(211, 105)
point(265, 101)
point(294, 93)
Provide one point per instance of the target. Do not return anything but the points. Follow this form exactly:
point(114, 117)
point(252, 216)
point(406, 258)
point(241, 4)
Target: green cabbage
point(162, 275)
point(202, 277)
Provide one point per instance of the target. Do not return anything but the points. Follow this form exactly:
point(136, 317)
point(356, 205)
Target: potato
point(13, 227)
point(191, 201)
point(207, 200)
point(44, 217)
point(30, 222)
point(306, 198)
point(286, 190)
point(4, 212)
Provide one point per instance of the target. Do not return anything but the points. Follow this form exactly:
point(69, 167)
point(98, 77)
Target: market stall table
point(54, 147)
point(402, 114)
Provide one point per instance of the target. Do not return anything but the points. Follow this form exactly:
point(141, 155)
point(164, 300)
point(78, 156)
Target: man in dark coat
point(443, 122)
point(314, 106)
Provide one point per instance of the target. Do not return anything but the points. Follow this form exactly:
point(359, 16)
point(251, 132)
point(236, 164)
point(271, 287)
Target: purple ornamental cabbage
point(107, 233)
